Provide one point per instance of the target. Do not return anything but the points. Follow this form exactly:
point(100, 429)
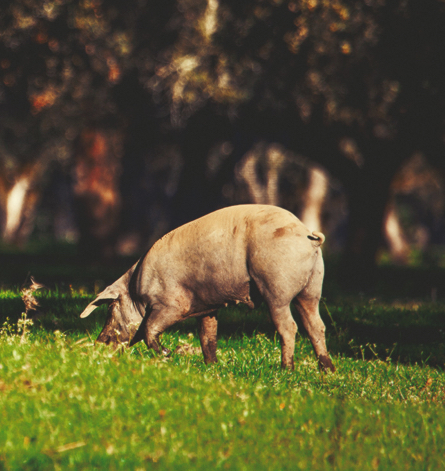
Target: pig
point(221, 258)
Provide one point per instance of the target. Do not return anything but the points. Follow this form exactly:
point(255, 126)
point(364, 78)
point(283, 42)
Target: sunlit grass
point(66, 403)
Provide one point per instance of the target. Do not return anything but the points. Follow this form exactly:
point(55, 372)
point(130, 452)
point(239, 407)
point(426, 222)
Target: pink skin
point(208, 263)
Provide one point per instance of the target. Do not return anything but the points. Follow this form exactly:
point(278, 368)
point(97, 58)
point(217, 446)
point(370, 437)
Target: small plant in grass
point(19, 331)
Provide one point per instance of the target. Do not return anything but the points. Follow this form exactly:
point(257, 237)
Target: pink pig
point(215, 260)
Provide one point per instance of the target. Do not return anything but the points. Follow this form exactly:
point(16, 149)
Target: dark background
point(120, 120)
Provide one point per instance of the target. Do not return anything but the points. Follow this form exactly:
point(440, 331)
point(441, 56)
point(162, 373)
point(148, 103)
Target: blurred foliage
point(364, 64)
point(60, 62)
point(356, 85)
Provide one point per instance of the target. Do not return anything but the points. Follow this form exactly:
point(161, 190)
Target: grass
point(67, 403)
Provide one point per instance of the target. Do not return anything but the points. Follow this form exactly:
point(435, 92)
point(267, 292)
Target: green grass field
point(68, 403)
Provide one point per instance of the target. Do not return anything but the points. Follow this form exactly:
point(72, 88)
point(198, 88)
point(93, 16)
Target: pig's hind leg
point(278, 302)
point(315, 328)
point(307, 304)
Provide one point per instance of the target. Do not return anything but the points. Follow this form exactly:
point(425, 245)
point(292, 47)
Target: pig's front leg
point(207, 328)
point(154, 324)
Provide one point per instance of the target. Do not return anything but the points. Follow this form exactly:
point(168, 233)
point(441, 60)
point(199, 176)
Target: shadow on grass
point(405, 333)
point(57, 264)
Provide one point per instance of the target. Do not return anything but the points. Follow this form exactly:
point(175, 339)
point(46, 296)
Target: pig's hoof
point(288, 365)
point(326, 364)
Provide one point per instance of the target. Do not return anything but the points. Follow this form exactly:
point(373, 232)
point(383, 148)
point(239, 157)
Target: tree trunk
point(19, 199)
point(314, 198)
point(261, 190)
point(368, 198)
point(395, 238)
point(197, 194)
point(97, 202)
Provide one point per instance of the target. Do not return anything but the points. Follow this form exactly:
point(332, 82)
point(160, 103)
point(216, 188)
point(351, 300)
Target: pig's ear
point(110, 293)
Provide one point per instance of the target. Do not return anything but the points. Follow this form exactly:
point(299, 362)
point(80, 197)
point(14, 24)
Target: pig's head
point(123, 317)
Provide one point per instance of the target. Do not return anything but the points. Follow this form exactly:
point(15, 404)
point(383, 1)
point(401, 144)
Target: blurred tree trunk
point(314, 198)
point(263, 190)
point(395, 238)
point(97, 199)
point(368, 197)
point(197, 194)
point(20, 192)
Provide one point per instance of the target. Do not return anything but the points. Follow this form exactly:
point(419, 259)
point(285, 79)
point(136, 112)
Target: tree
point(355, 86)
point(66, 70)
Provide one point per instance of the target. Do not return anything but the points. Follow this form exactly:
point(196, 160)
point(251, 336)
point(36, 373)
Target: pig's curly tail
point(317, 237)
